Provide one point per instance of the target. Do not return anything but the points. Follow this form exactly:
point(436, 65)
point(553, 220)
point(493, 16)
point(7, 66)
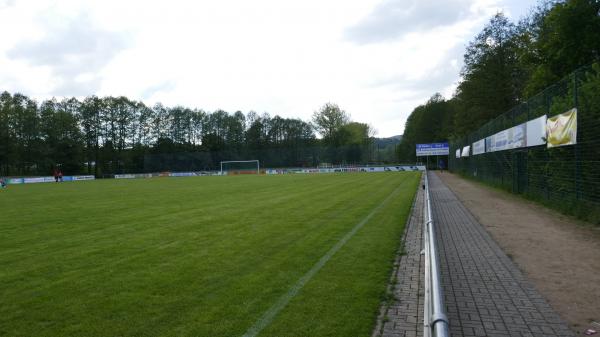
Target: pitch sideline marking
point(270, 314)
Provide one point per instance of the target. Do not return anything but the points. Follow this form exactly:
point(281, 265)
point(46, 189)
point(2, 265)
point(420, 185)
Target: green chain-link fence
point(311, 156)
point(565, 177)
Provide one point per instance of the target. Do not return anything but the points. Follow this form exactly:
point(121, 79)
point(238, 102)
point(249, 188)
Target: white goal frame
point(242, 161)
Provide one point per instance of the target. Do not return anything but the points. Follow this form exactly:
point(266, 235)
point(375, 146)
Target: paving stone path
point(404, 316)
point(485, 293)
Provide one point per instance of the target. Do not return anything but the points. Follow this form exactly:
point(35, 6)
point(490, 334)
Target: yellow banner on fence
point(562, 129)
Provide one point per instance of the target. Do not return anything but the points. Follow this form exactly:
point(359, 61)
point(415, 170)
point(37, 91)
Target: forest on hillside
point(506, 64)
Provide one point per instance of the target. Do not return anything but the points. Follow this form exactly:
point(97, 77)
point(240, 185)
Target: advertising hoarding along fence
point(562, 129)
point(398, 168)
point(559, 130)
point(536, 131)
point(501, 140)
point(558, 163)
point(433, 149)
point(465, 151)
point(489, 144)
point(479, 147)
point(516, 136)
point(390, 168)
point(36, 180)
point(531, 133)
point(80, 178)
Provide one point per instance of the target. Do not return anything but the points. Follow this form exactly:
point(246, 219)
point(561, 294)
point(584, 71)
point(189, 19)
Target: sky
point(376, 59)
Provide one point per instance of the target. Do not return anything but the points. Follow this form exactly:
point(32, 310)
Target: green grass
point(202, 256)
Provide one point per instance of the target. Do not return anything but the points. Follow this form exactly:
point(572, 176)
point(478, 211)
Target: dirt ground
point(560, 255)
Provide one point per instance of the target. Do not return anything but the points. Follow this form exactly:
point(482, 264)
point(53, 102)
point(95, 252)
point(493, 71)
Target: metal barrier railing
point(435, 321)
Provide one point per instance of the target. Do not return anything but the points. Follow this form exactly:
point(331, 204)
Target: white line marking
point(270, 314)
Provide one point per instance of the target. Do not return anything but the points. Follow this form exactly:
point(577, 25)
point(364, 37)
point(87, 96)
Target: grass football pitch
point(290, 255)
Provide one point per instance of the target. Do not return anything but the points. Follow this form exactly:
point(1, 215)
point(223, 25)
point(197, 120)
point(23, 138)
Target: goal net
point(240, 167)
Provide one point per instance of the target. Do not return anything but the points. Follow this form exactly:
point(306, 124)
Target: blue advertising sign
point(433, 149)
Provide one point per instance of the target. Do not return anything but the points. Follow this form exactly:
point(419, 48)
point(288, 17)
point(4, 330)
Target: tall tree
point(6, 139)
point(563, 37)
point(329, 119)
point(61, 135)
point(428, 123)
point(355, 141)
point(493, 77)
point(91, 125)
point(23, 123)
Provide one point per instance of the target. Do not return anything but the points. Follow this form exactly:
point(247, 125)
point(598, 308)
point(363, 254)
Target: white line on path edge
point(268, 316)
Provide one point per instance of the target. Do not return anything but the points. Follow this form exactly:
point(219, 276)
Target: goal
point(240, 167)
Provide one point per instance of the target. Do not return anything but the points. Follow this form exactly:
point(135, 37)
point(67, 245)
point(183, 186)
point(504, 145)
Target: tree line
point(108, 135)
point(506, 64)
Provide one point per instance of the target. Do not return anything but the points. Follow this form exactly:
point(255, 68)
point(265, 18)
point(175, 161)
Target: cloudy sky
point(377, 59)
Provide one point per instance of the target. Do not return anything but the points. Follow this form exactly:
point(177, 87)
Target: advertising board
point(433, 149)
point(536, 131)
point(479, 147)
point(561, 129)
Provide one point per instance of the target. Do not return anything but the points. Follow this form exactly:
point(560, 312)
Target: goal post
point(240, 166)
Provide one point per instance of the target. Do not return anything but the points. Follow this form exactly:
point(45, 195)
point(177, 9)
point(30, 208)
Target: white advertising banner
point(404, 168)
point(348, 169)
point(479, 147)
point(35, 180)
point(501, 141)
point(38, 180)
point(465, 151)
point(531, 133)
point(489, 144)
point(182, 174)
point(517, 136)
point(536, 131)
point(124, 176)
point(78, 178)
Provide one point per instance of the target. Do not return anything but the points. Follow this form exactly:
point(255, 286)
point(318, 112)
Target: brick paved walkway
point(404, 316)
point(485, 293)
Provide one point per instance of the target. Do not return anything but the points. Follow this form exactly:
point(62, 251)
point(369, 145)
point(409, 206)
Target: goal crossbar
point(242, 161)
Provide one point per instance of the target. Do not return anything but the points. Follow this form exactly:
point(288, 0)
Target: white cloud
point(376, 59)
point(392, 19)
point(67, 50)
